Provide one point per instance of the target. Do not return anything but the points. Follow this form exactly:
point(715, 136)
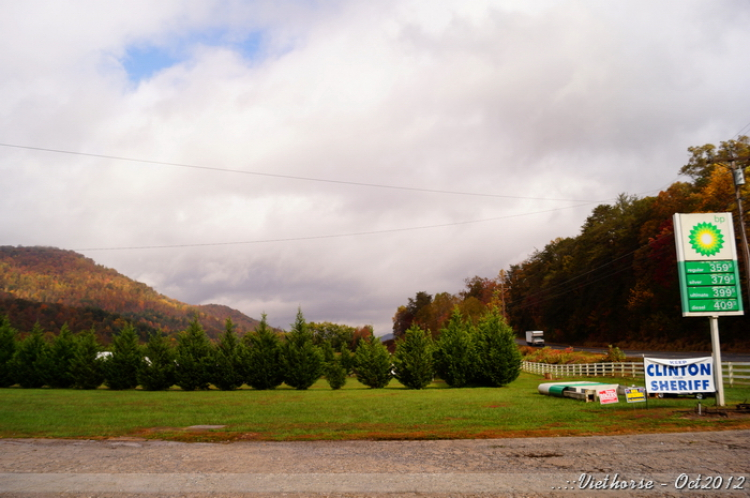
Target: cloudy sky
point(340, 156)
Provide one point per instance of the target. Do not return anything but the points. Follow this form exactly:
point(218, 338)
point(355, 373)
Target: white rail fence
point(734, 373)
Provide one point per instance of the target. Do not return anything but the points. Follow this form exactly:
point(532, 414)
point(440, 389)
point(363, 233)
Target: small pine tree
point(60, 357)
point(455, 356)
point(302, 360)
point(347, 359)
point(372, 363)
point(29, 358)
point(413, 364)
point(121, 369)
point(328, 353)
point(195, 358)
point(7, 349)
point(87, 368)
point(333, 370)
point(498, 356)
point(262, 357)
point(229, 370)
point(335, 374)
point(157, 371)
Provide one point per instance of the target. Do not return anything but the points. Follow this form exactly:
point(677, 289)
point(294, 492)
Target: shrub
point(60, 358)
point(157, 371)
point(498, 357)
point(372, 363)
point(263, 364)
point(87, 368)
point(194, 358)
point(7, 349)
point(614, 355)
point(347, 359)
point(121, 369)
point(335, 374)
point(28, 360)
point(413, 362)
point(228, 371)
point(302, 360)
point(455, 355)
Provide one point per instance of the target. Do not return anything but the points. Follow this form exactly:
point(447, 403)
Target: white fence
point(734, 373)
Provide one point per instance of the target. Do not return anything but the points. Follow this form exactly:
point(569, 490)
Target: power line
point(290, 177)
point(581, 275)
point(742, 130)
point(318, 237)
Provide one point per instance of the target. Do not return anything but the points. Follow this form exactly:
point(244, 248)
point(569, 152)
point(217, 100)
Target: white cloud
point(558, 100)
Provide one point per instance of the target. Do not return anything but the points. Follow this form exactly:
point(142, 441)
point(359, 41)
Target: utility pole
point(738, 174)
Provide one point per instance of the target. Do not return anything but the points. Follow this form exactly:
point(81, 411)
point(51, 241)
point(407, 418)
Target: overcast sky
point(340, 156)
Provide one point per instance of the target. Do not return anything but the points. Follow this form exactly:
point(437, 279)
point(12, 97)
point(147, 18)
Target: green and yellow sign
point(707, 264)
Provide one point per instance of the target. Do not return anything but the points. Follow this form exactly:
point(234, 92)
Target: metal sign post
point(709, 274)
point(716, 348)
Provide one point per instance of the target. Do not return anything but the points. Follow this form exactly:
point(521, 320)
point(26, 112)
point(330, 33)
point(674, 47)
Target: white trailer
point(535, 338)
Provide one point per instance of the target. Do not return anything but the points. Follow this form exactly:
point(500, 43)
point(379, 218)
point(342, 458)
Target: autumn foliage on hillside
point(54, 286)
point(617, 281)
point(614, 283)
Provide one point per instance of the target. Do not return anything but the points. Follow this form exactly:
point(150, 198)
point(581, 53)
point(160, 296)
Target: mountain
point(55, 286)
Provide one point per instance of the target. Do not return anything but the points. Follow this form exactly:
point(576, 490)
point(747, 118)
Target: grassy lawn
point(354, 412)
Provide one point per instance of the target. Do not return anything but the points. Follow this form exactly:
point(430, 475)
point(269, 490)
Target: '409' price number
point(725, 305)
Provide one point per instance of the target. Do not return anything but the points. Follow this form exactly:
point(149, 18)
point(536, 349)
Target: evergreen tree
point(7, 349)
point(333, 370)
point(328, 353)
point(372, 363)
point(121, 369)
point(347, 359)
point(195, 358)
point(455, 355)
point(157, 371)
point(498, 356)
point(229, 370)
point(335, 374)
point(60, 358)
point(413, 363)
point(302, 360)
point(28, 359)
point(263, 363)
point(87, 367)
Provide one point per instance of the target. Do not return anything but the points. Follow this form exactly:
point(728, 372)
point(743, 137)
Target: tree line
point(617, 281)
point(433, 313)
point(465, 354)
point(614, 283)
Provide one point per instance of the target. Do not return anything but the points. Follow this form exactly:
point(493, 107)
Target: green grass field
point(354, 412)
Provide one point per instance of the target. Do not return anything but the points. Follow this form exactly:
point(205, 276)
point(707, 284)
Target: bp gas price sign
point(707, 264)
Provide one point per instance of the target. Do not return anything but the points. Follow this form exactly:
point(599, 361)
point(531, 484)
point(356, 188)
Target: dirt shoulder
point(499, 467)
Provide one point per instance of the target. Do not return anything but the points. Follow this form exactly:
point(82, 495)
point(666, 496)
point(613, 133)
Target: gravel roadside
point(564, 466)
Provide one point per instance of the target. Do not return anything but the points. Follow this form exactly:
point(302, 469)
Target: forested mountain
point(616, 282)
point(55, 286)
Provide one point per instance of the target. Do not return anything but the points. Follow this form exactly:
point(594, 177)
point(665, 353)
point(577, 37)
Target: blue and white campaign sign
point(684, 376)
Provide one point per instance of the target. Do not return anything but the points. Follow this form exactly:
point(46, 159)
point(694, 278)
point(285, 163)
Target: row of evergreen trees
point(462, 355)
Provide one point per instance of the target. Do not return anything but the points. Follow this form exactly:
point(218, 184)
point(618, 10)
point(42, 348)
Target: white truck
point(535, 338)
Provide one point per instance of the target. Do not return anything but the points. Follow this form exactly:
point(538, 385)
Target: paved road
point(625, 466)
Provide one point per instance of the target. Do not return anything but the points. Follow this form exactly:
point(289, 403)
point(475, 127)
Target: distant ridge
point(55, 286)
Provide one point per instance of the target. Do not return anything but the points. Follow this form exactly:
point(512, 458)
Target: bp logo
point(706, 239)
